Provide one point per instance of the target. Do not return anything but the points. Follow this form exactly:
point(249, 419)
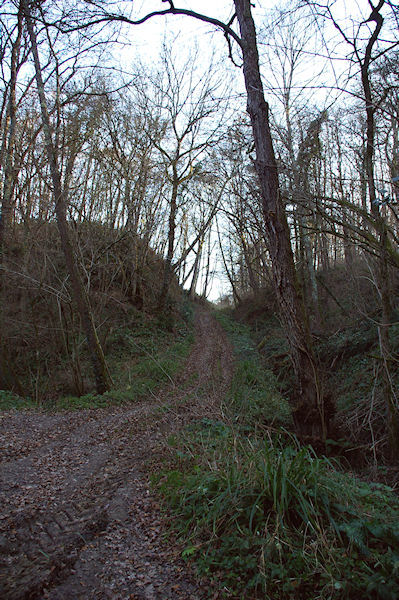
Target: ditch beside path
point(78, 519)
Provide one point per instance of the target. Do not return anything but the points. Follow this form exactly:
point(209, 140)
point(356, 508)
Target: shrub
point(9, 400)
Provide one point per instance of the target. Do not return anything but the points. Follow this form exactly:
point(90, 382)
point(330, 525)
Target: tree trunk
point(168, 269)
point(102, 377)
point(308, 150)
point(382, 275)
point(393, 160)
point(204, 293)
point(253, 283)
point(310, 414)
point(197, 262)
point(8, 378)
point(9, 175)
point(230, 275)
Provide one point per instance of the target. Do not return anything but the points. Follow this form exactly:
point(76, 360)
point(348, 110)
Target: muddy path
point(78, 519)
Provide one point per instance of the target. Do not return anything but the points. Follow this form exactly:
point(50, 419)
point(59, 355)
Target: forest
point(199, 299)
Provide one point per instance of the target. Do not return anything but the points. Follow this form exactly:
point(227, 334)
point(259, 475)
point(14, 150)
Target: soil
point(79, 519)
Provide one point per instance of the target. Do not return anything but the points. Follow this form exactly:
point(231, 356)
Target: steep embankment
point(79, 520)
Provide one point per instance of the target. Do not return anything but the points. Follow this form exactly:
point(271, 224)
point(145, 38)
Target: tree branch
point(157, 13)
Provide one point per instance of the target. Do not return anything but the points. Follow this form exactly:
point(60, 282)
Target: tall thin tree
point(102, 377)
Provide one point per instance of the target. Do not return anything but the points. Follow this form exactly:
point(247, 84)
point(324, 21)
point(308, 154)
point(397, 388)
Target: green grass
point(142, 357)
point(267, 518)
point(155, 363)
point(271, 520)
point(255, 398)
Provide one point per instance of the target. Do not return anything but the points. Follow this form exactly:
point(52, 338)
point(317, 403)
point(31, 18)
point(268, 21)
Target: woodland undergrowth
point(144, 353)
point(264, 515)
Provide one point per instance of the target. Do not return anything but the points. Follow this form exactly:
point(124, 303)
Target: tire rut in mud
point(42, 553)
point(42, 546)
point(87, 528)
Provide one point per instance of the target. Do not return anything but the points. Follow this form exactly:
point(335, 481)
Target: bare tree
point(310, 409)
point(102, 376)
point(184, 122)
point(310, 405)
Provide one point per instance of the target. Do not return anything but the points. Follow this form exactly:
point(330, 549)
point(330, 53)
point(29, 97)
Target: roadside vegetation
point(143, 363)
point(268, 517)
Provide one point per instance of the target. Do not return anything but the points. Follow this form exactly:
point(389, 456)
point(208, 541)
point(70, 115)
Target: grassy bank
point(142, 356)
point(267, 518)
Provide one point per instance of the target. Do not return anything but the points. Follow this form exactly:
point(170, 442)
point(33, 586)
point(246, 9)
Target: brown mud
point(78, 518)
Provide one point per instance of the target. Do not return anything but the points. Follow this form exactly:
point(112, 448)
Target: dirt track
point(77, 518)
